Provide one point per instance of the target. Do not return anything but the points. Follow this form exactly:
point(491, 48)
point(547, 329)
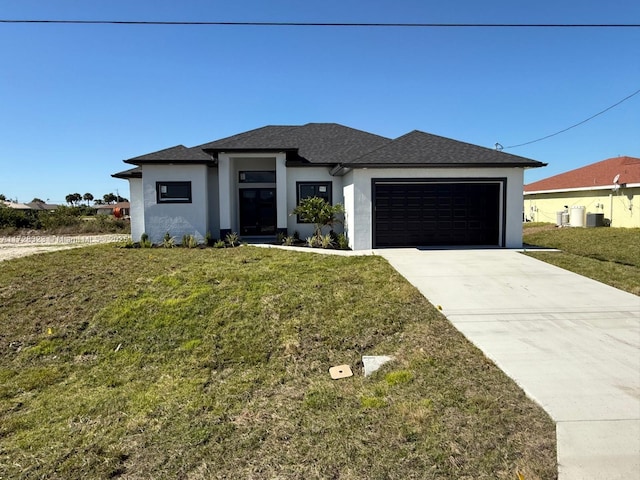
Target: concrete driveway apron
point(571, 343)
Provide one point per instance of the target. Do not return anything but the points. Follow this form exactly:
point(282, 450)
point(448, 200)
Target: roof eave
point(582, 189)
point(127, 176)
point(443, 165)
point(133, 161)
point(248, 150)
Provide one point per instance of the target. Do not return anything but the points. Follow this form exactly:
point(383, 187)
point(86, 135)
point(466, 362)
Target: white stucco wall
point(360, 226)
point(176, 218)
point(515, 188)
point(137, 208)
point(309, 174)
point(349, 222)
point(215, 197)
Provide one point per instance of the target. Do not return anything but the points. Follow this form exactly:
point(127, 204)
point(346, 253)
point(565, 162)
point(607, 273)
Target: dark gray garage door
point(436, 214)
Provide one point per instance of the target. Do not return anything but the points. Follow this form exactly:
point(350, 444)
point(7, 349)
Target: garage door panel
point(418, 214)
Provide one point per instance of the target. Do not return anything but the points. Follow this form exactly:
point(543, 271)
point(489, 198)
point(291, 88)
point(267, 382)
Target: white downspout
point(611, 209)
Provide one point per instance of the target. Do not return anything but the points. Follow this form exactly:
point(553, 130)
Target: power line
point(577, 124)
point(331, 24)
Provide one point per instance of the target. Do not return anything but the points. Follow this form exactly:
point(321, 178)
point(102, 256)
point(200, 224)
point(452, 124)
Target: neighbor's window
point(312, 189)
point(174, 192)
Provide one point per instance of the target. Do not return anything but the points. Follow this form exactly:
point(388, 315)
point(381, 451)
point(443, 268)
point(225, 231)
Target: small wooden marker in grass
point(340, 371)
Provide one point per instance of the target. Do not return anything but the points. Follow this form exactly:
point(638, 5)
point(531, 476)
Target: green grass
point(174, 363)
point(609, 255)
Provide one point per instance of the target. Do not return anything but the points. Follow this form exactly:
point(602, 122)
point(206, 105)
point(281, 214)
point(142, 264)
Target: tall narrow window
point(173, 192)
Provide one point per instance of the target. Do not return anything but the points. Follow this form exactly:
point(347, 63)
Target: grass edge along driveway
point(608, 255)
point(176, 363)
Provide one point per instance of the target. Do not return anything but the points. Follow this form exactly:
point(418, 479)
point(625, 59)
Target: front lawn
point(609, 255)
point(179, 363)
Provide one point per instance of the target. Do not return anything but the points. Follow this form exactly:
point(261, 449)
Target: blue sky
point(75, 100)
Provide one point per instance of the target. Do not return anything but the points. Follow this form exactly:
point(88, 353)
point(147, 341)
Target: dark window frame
point(163, 199)
point(299, 197)
point(249, 173)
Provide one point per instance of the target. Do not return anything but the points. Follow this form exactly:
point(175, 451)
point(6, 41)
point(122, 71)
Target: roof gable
point(420, 148)
point(599, 174)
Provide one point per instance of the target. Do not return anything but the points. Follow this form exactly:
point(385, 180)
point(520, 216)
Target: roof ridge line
point(249, 134)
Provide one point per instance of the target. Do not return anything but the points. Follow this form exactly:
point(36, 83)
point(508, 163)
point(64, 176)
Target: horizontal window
point(173, 192)
point(313, 189)
point(258, 176)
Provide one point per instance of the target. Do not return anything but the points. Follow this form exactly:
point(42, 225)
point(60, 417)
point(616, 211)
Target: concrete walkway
point(571, 343)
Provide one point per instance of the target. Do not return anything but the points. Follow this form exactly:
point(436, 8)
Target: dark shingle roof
point(424, 149)
point(131, 173)
point(320, 143)
point(42, 206)
point(599, 174)
point(336, 145)
point(179, 153)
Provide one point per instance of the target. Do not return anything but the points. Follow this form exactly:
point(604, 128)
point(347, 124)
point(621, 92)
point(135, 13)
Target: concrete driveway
point(571, 343)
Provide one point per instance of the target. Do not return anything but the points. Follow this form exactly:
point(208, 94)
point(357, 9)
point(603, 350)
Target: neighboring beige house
point(608, 190)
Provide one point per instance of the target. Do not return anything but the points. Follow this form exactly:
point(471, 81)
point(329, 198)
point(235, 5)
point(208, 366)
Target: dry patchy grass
point(192, 364)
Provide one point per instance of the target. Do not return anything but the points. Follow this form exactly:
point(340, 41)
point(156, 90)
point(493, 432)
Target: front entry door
point(258, 212)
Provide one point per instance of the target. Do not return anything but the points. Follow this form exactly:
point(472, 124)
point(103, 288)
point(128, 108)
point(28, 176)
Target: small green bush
point(209, 240)
point(145, 242)
point(232, 239)
point(326, 241)
point(193, 241)
point(168, 241)
point(189, 241)
point(343, 242)
point(321, 213)
point(219, 244)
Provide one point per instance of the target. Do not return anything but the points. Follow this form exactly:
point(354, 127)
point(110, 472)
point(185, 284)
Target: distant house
point(15, 205)
point(418, 189)
point(118, 210)
point(29, 206)
point(609, 189)
point(42, 206)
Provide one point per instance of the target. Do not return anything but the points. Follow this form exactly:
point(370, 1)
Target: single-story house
point(605, 189)
point(416, 190)
point(15, 205)
point(42, 206)
point(29, 206)
point(118, 210)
